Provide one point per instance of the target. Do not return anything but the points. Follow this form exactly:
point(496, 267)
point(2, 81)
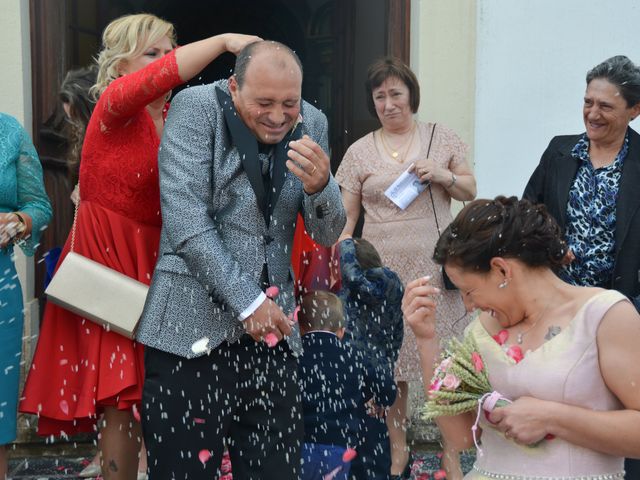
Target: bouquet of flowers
point(460, 382)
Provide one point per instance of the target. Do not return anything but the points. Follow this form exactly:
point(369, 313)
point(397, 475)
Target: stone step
point(45, 467)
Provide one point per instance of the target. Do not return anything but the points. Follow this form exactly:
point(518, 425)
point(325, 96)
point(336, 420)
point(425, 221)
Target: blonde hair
point(125, 38)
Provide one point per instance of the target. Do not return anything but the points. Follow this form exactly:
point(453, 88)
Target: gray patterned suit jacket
point(216, 235)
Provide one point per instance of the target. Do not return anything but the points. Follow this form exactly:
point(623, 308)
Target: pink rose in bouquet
point(450, 381)
point(461, 384)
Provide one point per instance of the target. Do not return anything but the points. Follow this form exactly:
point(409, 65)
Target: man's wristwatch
point(454, 179)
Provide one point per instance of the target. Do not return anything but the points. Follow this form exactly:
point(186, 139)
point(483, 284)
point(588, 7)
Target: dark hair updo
point(504, 227)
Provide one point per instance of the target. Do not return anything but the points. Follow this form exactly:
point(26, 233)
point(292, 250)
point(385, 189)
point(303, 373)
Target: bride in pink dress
point(576, 406)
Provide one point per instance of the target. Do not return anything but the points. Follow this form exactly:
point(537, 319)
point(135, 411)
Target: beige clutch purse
point(97, 293)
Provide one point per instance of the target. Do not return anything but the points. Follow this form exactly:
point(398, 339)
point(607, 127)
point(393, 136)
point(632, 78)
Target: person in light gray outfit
point(239, 159)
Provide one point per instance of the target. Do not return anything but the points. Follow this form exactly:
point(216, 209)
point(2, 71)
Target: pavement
point(426, 466)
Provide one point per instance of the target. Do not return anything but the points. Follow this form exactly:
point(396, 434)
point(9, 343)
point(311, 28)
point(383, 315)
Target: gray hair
point(245, 55)
point(621, 72)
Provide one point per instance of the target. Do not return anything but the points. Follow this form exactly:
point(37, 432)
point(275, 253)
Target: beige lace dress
point(406, 238)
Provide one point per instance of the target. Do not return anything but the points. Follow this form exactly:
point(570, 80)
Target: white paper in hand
point(405, 189)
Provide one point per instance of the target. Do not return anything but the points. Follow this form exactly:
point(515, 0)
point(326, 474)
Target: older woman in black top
point(589, 183)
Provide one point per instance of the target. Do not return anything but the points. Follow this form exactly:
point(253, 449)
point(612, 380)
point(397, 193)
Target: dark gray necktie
point(264, 163)
point(265, 167)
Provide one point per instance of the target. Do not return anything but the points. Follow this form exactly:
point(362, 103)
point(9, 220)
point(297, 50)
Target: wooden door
point(66, 34)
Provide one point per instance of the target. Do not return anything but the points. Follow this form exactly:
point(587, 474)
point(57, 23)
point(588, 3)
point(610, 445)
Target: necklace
point(520, 335)
point(396, 153)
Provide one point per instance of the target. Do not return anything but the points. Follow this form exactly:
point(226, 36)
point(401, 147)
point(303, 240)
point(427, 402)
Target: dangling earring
point(504, 283)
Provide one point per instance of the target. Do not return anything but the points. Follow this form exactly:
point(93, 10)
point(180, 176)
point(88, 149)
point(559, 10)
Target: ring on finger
point(314, 170)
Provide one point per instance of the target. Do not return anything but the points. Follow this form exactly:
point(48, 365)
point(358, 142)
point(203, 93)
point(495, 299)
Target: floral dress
point(405, 239)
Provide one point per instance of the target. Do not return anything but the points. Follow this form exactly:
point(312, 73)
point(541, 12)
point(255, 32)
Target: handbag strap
point(75, 219)
point(433, 204)
point(433, 130)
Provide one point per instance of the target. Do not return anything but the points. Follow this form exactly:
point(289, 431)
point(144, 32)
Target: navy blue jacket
point(372, 302)
point(335, 386)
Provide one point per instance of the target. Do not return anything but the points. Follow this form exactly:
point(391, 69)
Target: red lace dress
point(315, 267)
point(79, 367)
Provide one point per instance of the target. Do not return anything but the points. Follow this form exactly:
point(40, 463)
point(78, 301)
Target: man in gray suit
point(238, 160)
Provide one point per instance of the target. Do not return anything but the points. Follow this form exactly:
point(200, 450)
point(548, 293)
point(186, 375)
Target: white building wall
point(531, 61)
point(15, 100)
point(15, 58)
point(443, 58)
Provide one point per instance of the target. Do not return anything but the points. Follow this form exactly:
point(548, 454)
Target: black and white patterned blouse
point(591, 217)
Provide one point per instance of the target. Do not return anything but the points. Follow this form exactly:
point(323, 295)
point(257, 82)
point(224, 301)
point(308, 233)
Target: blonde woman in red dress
point(80, 370)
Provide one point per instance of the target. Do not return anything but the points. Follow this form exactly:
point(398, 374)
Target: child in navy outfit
point(335, 388)
point(372, 295)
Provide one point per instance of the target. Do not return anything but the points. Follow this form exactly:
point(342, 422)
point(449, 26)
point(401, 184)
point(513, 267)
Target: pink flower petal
point(272, 292)
point(64, 406)
point(515, 352)
point(435, 386)
point(204, 455)
point(501, 337)
point(294, 315)
point(332, 474)
point(439, 475)
point(136, 413)
point(226, 464)
point(271, 340)
point(478, 364)
point(349, 454)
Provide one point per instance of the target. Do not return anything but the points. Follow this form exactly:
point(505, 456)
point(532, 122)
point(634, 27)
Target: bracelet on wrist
point(454, 179)
point(22, 226)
